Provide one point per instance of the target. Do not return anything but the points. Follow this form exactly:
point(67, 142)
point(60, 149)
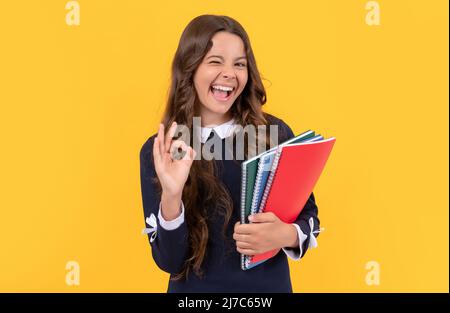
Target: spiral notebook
point(283, 194)
point(301, 158)
point(249, 174)
point(262, 175)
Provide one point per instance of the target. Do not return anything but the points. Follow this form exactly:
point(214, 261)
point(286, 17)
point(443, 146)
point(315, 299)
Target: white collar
point(223, 130)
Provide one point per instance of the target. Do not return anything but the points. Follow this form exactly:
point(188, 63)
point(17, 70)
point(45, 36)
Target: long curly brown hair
point(203, 189)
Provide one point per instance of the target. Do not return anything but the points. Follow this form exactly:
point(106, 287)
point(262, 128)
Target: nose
point(228, 73)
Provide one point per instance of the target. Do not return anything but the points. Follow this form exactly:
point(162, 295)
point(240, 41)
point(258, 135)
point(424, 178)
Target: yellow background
point(78, 102)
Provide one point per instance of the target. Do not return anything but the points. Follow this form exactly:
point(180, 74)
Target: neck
point(210, 119)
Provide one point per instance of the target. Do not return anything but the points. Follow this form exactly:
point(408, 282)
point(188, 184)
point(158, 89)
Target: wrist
point(170, 206)
point(291, 236)
point(175, 194)
point(169, 195)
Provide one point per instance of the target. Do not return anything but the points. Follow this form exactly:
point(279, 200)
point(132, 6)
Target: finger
point(161, 139)
point(189, 156)
point(170, 134)
point(262, 217)
point(185, 151)
point(244, 229)
point(241, 237)
point(181, 151)
point(243, 245)
point(194, 154)
point(246, 251)
point(177, 152)
point(236, 225)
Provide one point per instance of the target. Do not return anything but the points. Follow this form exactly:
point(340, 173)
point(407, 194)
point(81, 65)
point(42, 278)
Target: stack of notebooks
point(281, 180)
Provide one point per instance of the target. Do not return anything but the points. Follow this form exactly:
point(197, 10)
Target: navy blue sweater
point(221, 266)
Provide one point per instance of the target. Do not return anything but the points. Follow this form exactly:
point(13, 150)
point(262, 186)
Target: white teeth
point(224, 88)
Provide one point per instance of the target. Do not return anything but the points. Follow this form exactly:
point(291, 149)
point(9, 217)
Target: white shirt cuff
point(292, 253)
point(173, 224)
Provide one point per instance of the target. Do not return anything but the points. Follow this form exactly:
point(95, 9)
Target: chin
point(222, 111)
point(219, 109)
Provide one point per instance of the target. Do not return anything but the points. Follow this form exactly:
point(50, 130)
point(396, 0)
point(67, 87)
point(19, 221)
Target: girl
point(193, 204)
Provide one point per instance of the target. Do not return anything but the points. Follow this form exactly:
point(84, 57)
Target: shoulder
point(284, 131)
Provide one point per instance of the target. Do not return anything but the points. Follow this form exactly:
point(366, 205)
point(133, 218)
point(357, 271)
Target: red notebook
point(295, 171)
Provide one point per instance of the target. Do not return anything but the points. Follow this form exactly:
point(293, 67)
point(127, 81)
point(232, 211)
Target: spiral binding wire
point(257, 185)
point(243, 191)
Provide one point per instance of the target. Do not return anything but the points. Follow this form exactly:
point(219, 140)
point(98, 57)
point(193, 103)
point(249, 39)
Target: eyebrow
point(221, 57)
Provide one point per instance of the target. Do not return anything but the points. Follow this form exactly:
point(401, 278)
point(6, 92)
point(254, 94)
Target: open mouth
point(222, 93)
